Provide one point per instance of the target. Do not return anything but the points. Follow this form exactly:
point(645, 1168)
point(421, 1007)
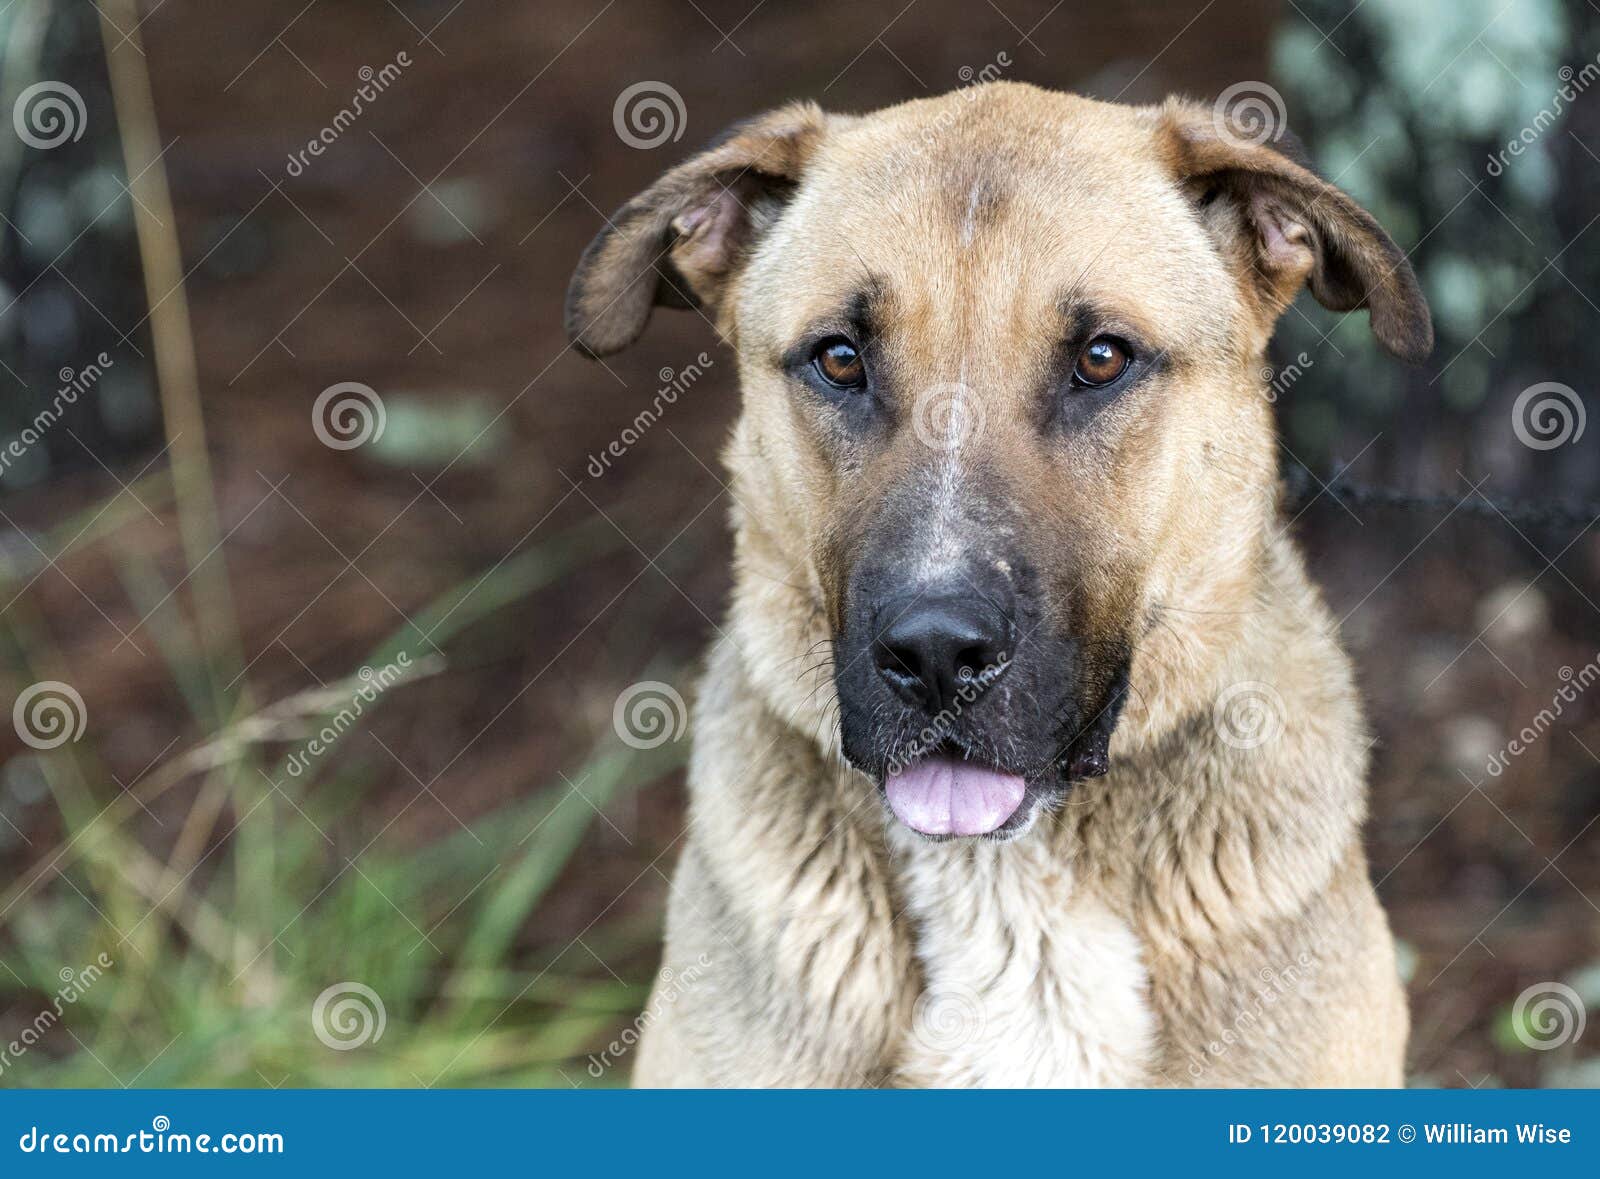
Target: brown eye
point(838, 363)
point(1102, 362)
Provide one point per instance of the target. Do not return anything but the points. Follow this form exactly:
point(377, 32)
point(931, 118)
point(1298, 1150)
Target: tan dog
point(1010, 560)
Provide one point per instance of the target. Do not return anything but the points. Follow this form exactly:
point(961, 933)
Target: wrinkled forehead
point(985, 211)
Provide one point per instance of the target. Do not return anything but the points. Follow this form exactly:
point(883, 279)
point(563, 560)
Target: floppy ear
point(679, 242)
point(1286, 227)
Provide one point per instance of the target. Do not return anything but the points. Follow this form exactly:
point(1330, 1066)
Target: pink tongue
point(943, 796)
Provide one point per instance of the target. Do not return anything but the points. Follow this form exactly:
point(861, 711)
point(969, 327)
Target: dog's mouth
point(945, 795)
point(949, 791)
point(991, 762)
point(952, 788)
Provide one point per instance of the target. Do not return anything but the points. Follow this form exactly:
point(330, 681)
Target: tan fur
point(1200, 915)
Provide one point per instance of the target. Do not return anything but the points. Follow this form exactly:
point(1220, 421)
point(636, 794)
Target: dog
point(1030, 756)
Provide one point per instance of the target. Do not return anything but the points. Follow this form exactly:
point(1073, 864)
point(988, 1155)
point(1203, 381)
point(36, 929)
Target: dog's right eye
point(1102, 362)
point(839, 363)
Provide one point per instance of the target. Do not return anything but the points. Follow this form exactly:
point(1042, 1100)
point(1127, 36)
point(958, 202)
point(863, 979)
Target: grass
point(221, 940)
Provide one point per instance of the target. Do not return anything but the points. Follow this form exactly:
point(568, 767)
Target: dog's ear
point(679, 242)
point(1284, 226)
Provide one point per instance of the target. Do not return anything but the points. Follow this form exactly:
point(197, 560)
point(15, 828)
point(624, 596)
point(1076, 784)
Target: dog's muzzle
point(964, 707)
point(938, 649)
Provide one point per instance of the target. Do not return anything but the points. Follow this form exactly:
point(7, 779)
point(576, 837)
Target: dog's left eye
point(1101, 362)
point(839, 363)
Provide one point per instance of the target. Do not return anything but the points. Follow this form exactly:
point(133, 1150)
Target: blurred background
point(330, 573)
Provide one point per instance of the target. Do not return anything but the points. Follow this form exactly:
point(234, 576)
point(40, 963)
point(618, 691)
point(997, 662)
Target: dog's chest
point(1029, 981)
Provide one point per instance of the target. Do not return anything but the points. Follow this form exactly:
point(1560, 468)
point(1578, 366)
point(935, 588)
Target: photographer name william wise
point(1465, 1133)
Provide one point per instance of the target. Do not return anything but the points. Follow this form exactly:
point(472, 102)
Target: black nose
point(939, 650)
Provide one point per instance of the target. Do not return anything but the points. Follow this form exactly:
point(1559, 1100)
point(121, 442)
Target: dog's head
point(1001, 354)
